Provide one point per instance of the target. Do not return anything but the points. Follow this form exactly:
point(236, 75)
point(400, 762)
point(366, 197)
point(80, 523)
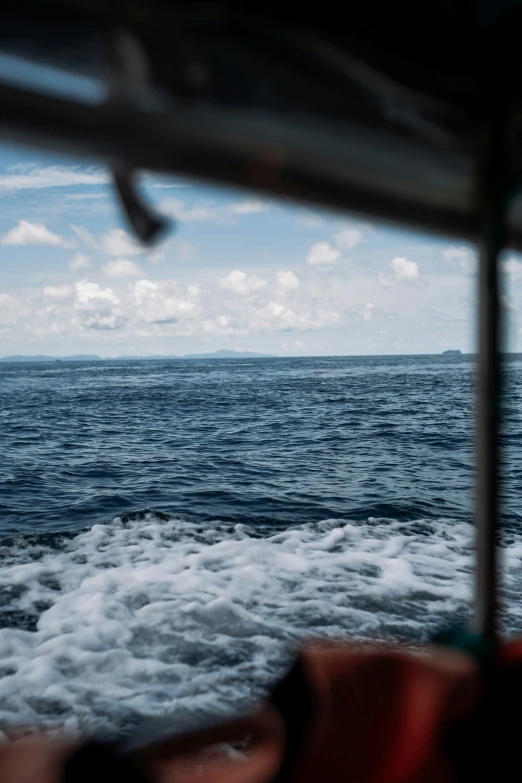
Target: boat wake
point(155, 616)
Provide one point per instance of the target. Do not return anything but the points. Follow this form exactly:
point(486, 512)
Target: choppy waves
point(265, 441)
point(155, 616)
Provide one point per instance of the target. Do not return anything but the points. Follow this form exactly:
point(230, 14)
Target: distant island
point(451, 353)
point(82, 357)
point(223, 354)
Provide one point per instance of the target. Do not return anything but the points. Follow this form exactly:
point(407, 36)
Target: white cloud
point(87, 292)
point(115, 242)
point(241, 284)
point(322, 254)
point(383, 280)
point(465, 257)
point(367, 311)
point(79, 262)
point(156, 257)
point(142, 289)
point(507, 304)
point(58, 292)
point(27, 233)
point(121, 267)
point(225, 214)
point(194, 290)
point(164, 304)
point(405, 270)
point(182, 251)
point(85, 236)
point(99, 321)
point(277, 317)
point(348, 239)
point(165, 308)
point(118, 243)
point(453, 253)
point(286, 282)
point(11, 310)
point(513, 268)
point(163, 185)
point(37, 177)
point(198, 213)
point(299, 344)
point(250, 207)
point(97, 308)
point(210, 327)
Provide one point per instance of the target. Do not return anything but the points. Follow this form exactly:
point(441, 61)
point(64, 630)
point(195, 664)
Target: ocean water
point(171, 531)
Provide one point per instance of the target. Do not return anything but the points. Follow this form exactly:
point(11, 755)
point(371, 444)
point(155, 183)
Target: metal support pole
point(492, 185)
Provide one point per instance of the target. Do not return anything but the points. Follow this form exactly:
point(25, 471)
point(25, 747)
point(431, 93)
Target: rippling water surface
point(171, 530)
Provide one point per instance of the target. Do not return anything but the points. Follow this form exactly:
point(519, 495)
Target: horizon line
point(254, 354)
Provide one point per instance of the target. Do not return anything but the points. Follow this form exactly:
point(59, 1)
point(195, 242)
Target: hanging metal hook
point(129, 74)
point(148, 225)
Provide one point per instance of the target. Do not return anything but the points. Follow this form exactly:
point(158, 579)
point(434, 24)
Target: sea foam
point(151, 616)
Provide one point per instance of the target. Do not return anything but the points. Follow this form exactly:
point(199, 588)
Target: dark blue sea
point(172, 530)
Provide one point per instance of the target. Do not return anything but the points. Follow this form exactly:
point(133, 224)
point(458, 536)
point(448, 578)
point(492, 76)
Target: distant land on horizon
point(223, 354)
point(82, 357)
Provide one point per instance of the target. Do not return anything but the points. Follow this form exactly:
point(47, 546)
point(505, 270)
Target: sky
point(235, 272)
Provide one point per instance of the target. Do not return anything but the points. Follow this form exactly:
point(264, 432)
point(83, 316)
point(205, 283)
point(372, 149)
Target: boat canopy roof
point(382, 110)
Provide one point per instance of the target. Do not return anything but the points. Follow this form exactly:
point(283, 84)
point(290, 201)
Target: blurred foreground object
point(378, 110)
point(341, 714)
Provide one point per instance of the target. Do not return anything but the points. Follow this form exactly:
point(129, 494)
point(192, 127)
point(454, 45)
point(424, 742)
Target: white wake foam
point(157, 616)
